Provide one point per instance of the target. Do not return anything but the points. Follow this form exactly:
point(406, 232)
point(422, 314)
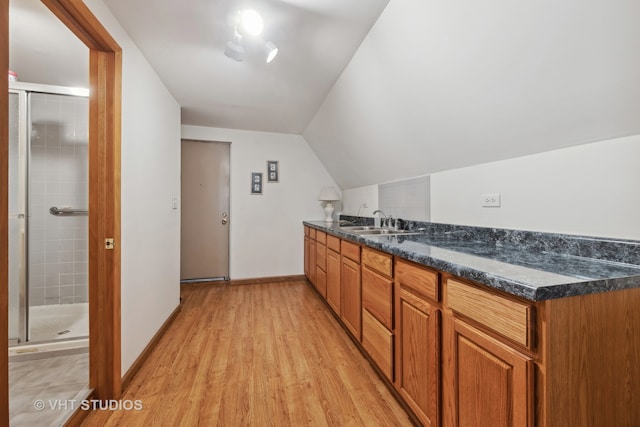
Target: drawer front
point(378, 342)
point(321, 256)
point(321, 237)
point(333, 243)
point(350, 250)
point(511, 319)
point(378, 261)
point(312, 233)
point(418, 280)
point(377, 296)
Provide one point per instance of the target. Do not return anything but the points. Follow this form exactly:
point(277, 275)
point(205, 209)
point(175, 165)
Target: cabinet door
point(378, 341)
point(418, 356)
point(306, 255)
point(333, 281)
point(493, 382)
point(312, 261)
point(351, 296)
point(321, 281)
point(377, 296)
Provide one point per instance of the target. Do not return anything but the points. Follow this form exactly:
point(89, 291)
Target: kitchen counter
point(535, 266)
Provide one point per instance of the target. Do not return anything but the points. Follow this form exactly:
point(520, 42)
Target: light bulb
point(251, 22)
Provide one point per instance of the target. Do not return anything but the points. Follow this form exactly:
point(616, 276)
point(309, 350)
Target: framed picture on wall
point(256, 182)
point(272, 171)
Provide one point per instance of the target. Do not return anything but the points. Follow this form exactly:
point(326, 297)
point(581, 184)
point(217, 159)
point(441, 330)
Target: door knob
point(224, 221)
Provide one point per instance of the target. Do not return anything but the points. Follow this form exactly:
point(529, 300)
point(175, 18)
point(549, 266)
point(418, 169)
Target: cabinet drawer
point(418, 280)
point(378, 261)
point(333, 243)
point(511, 319)
point(306, 230)
point(312, 233)
point(321, 256)
point(378, 342)
point(321, 237)
point(350, 250)
point(377, 296)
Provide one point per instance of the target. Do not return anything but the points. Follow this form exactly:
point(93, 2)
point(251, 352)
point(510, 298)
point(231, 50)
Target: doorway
point(105, 65)
point(204, 242)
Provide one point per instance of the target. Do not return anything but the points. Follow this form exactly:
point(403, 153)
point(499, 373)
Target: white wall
point(407, 199)
point(591, 189)
point(355, 199)
point(150, 178)
point(266, 230)
point(442, 85)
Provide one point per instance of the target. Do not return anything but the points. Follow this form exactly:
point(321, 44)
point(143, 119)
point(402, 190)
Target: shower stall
point(48, 223)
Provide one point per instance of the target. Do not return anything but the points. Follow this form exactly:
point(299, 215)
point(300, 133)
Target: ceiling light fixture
point(270, 50)
point(251, 22)
point(234, 48)
point(247, 28)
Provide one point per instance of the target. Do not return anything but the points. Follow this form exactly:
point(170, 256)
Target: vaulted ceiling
point(184, 42)
point(385, 91)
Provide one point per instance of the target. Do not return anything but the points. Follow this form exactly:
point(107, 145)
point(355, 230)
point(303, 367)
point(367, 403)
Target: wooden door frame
point(105, 84)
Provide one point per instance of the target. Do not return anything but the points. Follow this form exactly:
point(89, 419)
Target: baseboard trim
point(262, 280)
point(137, 364)
point(78, 416)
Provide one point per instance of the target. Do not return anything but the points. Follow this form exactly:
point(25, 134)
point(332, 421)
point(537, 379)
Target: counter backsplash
point(607, 249)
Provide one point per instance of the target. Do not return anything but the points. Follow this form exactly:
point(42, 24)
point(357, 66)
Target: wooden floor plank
point(255, 355)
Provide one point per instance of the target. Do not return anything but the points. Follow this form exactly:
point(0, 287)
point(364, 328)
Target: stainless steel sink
point(372, 231)
point(356, 228)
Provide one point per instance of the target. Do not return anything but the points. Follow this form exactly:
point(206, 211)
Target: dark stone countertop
point(531, 265)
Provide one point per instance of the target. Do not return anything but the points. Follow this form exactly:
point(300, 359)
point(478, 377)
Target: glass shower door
point(17, 219)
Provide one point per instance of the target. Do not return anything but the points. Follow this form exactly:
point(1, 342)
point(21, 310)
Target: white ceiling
point(433, 86)
point(42, 50)
point(184, 41)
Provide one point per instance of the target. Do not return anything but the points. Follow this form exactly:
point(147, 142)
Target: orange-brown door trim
point(4, 207)
point(105, 81)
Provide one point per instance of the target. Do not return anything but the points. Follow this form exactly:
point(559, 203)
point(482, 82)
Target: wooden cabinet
point(312, 261)
point(418, 334)
point(351, 291)
point(306, 256)
point(489, 337)
point(334, 286)
point(493, 382)
point(377, 309)
point(321, 264)
point(463, 354)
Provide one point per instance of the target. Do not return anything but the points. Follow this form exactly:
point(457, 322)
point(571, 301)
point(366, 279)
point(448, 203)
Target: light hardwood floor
point(255, 355)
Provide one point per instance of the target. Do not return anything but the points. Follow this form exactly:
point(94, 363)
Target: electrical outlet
point(174, 203)
point(491, 200)
point(365, 205)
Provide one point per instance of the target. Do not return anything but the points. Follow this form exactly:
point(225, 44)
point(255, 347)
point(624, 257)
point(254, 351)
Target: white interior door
point(204, 248)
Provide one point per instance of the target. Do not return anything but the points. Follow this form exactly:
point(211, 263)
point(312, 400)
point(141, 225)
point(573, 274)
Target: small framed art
point(272, 171)
point(256, 182)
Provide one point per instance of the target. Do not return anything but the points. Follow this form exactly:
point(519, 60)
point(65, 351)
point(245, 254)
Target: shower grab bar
point(67, 211)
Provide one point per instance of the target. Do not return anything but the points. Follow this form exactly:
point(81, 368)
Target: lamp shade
point(328, 194)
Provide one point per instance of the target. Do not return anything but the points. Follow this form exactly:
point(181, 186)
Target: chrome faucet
point(387, 219)
point(380, 212)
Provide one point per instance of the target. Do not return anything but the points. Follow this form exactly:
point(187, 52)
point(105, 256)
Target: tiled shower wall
point(58, 251)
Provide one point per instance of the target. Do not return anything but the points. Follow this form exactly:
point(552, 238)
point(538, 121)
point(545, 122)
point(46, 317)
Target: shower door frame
point(23, 167)
point(24, 90)
point(105, 81)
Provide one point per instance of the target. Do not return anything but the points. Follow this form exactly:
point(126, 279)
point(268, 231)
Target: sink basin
point(365, 230)
point(385, 231)
point(357, 228)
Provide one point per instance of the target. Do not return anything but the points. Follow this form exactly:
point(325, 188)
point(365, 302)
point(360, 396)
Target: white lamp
point(329, 195)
